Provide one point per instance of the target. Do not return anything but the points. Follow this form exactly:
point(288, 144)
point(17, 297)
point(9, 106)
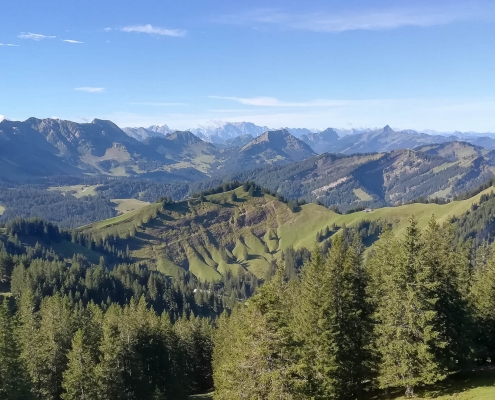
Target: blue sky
point(358, 63)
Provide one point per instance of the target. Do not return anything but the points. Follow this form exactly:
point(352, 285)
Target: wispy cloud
point(384, 19)
point(34, 36)
point(72, 41)
point(153, 30)
point(9, 45)
point(107, 29)
point(157, 104)
point(274, 102)
point(90, 89)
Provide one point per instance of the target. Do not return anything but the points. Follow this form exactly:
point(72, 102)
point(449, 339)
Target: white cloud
point(158, 104)
point(152, 30)
point(9, 45)
point(384, 19)
point(274, 102)
point(72, 41)
point(2, 117)
point(34, 36)
point(90, 89)
point(107, 29)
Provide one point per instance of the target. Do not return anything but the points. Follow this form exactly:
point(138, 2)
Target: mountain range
point(47, 147)
point(332, 140)
point(373, 168)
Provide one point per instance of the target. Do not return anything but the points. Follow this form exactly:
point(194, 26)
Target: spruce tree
point(254, 349)
point(79, 380)
point(449, 265)
point(109, 371)
point(314, 330)
point(14, 381)
point(350, 315)
point(406, 322)
point(482, 298)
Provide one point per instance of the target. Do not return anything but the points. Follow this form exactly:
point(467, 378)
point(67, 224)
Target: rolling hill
point(379, 179)
point(223, 232)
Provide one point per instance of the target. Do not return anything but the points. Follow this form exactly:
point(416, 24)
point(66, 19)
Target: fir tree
point(483, 302)
point(254, 349)
point(14, 381)
point(406, 323)
point(314, 330)
point(79, 380)
point(108, 372)
point(449, 265)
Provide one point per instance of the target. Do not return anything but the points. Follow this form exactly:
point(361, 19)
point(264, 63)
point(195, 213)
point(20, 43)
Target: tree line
point(419, 308)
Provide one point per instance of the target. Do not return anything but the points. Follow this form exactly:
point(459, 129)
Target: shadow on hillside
point(181, 207)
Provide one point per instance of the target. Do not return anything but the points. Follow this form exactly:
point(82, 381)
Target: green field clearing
point(77, 191)
point(362, 195)
point(68, 249)
point(127, 205)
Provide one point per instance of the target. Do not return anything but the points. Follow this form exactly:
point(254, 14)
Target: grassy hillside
point(219, 234)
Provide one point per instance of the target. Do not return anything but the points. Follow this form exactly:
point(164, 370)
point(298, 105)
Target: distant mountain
point(323, 141)
point(182, 148)
point(142, 134)
point(299, 132)
point(38, 148)
point(272, 146)
point(380, 179)
point(238, 141)
point(347, 141)
point(219, 132)
point(163, 129)
point(368, 141)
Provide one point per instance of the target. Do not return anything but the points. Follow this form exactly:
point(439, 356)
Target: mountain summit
point(278, 145)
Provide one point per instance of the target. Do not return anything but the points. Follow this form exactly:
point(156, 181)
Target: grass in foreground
point(469, 385)
point(476, 384)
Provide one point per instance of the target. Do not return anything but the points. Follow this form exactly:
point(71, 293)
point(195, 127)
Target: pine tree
point(109, 371)
point(254, 349)
point(54, 337)
point(483, 302)
point(406, 333)
point(350, 316)
point(79, 380)
point(314, 331)
point(28, 336)
point(450, 268)
point(14, 381)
